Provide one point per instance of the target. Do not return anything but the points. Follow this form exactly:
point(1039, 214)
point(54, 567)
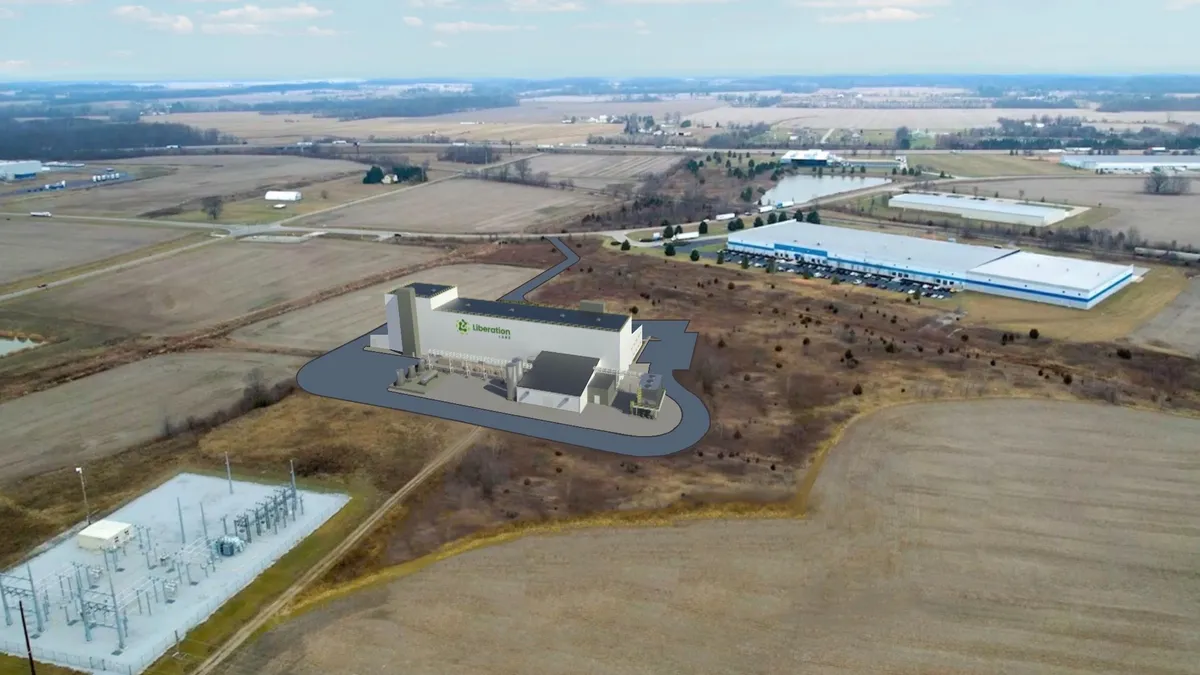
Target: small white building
point(103, 535)
point(283, 196)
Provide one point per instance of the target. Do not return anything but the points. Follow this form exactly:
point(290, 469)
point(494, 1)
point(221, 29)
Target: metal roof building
point(986, 269)
point(809, 158)
point(980, 208)
point(1132, 163)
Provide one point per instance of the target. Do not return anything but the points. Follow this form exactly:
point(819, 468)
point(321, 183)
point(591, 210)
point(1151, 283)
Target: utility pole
point(83, 485)
point(25, 629)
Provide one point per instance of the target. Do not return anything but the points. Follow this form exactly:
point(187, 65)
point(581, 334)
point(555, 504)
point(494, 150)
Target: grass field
point(1158, 218)
point(600, 171)
point(332, 323)
point(983, 166)
point(1113, 319)
point(1177, 327)
point(256, 210)
point(103, 414)
point(31, 247)
point(465, 206)
point(220, 282)
point(193, 177)
point(1008, 545)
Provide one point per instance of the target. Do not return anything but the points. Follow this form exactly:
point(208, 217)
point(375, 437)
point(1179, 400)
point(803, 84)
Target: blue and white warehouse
point(1010, 272)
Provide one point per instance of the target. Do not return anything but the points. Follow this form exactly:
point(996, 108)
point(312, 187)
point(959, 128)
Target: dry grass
point(1177, 327)
point(32, 247)
point(256, 210)
point(218, 282)
point(332, 323)
point(600, 171)
point(934, 119)
point(982, 166)
point(898, 547)
point(1114, 319)
point(466, 206)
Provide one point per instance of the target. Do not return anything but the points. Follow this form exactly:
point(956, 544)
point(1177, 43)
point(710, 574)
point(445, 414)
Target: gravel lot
point(217, 283)
point(335, 322)
point(464, 206)
point(33, 246)
point(1178, 326)
point(193, 177)
point(105, 413)
point(1157, 217)
point(1016, 537)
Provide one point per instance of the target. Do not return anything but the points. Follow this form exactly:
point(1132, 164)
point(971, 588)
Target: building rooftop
point(1165, 160)
point(980, 203)
point(577, 318)
point(1071, 273)
point(878, 248)
point(104, 529)
point(559, 373)
point(428, 290)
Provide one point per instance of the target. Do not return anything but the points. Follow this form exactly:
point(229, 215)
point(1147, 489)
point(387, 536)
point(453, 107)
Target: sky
point(219, 40)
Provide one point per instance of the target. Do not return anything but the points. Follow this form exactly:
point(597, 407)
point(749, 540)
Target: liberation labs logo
point(465, 327)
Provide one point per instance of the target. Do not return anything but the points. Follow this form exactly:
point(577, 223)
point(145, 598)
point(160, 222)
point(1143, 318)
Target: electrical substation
point(115, 594)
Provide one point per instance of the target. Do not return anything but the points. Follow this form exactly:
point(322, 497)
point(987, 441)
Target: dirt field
point(946, 538)
point(464, 206)
point(982, 166)
point(938, 119)
point(33, 246)
point(1159, 218)
point(1178, 326)
point(203, 287)
point(105, 413)
point(600, 171)
point(193, 177)
point(332, 323)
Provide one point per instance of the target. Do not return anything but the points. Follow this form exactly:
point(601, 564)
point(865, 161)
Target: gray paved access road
point(350, 373)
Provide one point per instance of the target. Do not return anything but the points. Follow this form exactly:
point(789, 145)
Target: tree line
point(76, 138)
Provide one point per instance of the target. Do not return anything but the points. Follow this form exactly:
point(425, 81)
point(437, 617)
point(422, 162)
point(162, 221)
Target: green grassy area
point(977, 165)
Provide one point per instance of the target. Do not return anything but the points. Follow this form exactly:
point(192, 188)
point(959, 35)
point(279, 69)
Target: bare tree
point(1159, 183)
point(523, 169)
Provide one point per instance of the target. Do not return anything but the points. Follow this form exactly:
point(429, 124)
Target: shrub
point(778, 348)
point(964, 337)
point(669, 249)
point(807, 342)
point(721, 343)
point(857, 391)
point(694, 256)
point(633, 310)
point(1034, 334)
point(1067, 379)
point(731, 285)
point(1124, 353)
point(625, 246)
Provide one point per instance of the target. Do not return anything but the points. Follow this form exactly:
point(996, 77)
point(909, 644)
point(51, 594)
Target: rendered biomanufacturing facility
point(563, 359)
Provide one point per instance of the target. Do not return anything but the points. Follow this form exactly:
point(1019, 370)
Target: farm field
point(332, 323)
point(599, 171)
point(983, 166)
point(217, 283)
point(105, 413)
point(936, 119)
point(191, 178)
point(35, 246)
point(1178, 326)
point(464, 206)
point(1158, 218)
point(989, 536)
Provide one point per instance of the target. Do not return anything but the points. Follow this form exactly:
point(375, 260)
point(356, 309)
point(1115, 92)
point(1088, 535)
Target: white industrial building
point(21, 170)
point(565, 358)
point(810, 158)
point(981, 208)
point(995, 270)
point(283, 196)
point(1132, 163)
point(104, 535)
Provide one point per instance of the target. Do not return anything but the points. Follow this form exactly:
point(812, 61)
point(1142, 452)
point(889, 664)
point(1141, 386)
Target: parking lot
point(817, 271)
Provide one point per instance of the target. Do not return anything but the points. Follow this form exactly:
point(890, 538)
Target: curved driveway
point(350, 373)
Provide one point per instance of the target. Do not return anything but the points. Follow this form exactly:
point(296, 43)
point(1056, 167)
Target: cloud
point(640, 27)
point(875, 15)
point(42, 2)
point(544, 5)
point(1176, 5)
point(317, 31)
point(669, 2)
point(413, 21)
point(256, 14)
point(12, 64)
point(121, 54)
point(176, 23)
point(879, 4)
point(438, 44)
point(471, 27)
point(436, 4)
point(234, 28)
point(6, 13)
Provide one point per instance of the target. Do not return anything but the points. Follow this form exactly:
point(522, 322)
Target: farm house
point(1009, 272)
point(283, 196)
point(980, 208)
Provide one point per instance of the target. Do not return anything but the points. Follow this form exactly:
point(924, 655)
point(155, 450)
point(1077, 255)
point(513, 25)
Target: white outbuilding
point(283, 196)
point(103, 535)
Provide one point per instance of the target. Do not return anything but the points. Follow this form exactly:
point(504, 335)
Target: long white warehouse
point(1009, 272)
point(980, 208)
point(1132, 163)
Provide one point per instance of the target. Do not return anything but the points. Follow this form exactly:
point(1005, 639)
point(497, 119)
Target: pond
point(801, 189)
point(10, 345)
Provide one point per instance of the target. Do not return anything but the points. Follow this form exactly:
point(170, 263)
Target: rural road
point(214, 660)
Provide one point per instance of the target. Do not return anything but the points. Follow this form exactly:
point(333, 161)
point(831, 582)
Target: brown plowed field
point(464, 206)
point(335, 322)
point(193, 177)
point(216, 283)
point(1015, 537)
point(33, 246)
point(105, 413)
point(600, 171)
